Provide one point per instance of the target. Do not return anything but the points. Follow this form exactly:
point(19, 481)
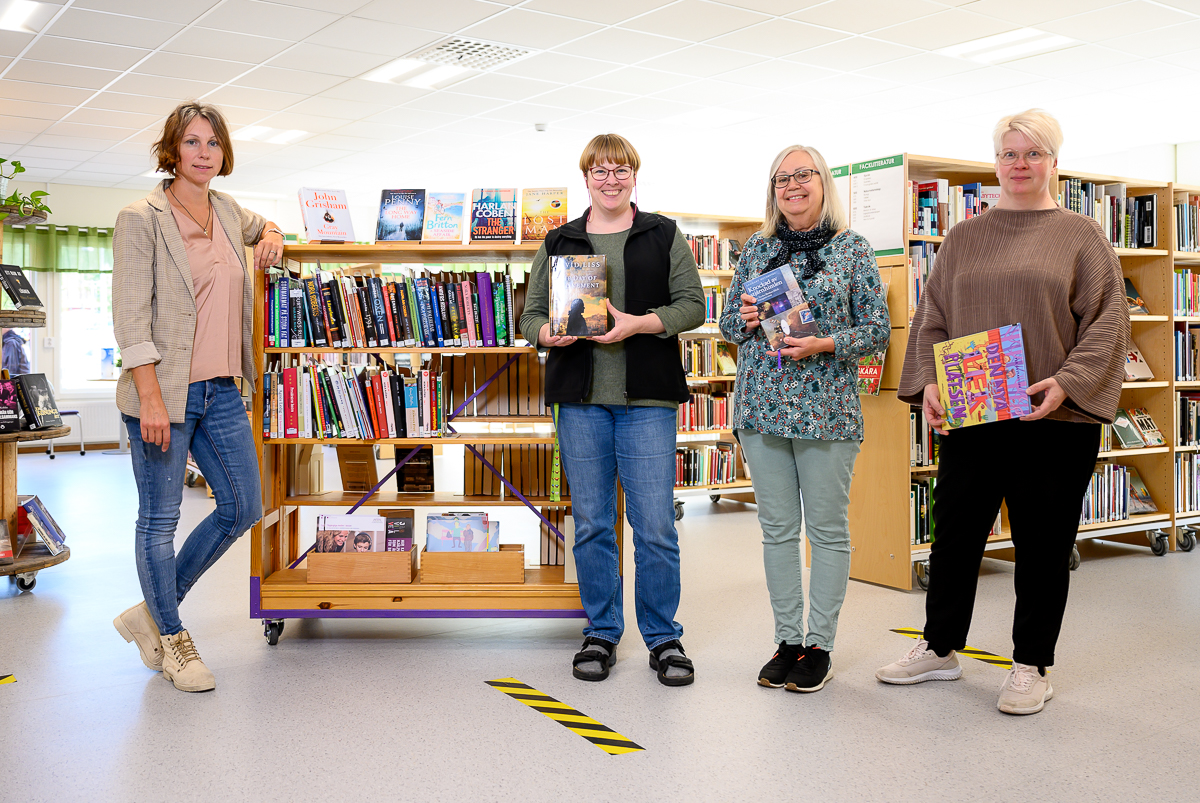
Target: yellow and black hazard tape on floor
point(970, 652)
point(600, 735)
point(7, 679)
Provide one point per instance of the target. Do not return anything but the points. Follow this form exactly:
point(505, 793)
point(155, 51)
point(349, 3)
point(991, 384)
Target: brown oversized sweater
point(1050, 270)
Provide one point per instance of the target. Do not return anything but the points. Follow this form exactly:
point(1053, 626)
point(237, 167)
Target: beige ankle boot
point(182, 665)
point(137, 625)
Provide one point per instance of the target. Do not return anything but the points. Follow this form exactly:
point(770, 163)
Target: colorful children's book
point(401, 215)
point(578, 289)
point(1139, 495)
point(982, 377)
point(494, 215)
point(782, 307)
point(1137, 305)
point(870, 374)
point(1136, 366)
point(542, 210)
point(444, 217)
point(458, 532)
point(326, 216)
point(1146, 426)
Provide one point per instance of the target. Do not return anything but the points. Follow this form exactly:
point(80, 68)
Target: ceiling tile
point(777, 7)
point(608, 13)
point(63, 154)
point(181, 65)
point(1191, 6)
point(446, 16)
point(860, 16)
point(985, 79)
point(302, 122)
point(454, 104)
point(637, 80)
point(126, 159)
point(159, 86)
point(694, 20)
point(778, 38)
point(921, 67)
point(950, 27)
point(382, 95)
point(1185, 61)
point(33, 163)
point(854, 54)
point(340, 142)
point(10, 137)
point(325, 106)
point(86, 54)
point(530, 29)
point(1081, 59)
point(328, 60)
point(253, 98)
point(99, 133)
point(130, 149)
point(558, 67)
point(650, 108)
point(702, 61)
point(119, 101)
point(530, 113)
point(777, 73)
point(298, 81)
point(1162, 42)
point(373, 36)
point(253, 17)
point(13, 42)
point(182, 13)
point(504, 87)
point(26, 125)
point(579, 98)
point(416, 118)
point(1035, 12)
point(226, 45)
point(381, 132)
point(453, 138)
point(42, 72)
point(43, 93)
point(593, 123)
point(849, 86)
point(92, 166)
point(622, 46)
point(106, 117)
point(1114, 21)
point(114, 29)
point(238, 116)
point(489, 127)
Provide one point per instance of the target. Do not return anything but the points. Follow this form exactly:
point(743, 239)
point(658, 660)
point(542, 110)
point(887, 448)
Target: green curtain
point(54, 249)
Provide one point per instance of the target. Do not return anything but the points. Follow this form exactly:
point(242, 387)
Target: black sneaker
point(811, 672)
point(776, 670)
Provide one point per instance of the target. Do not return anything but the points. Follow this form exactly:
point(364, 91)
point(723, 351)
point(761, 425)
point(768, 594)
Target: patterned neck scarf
point(810, 242)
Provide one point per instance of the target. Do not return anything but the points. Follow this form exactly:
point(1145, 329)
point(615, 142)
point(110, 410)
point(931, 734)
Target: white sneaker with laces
point(182, 665)
point(1025, 690)
point(919, 665)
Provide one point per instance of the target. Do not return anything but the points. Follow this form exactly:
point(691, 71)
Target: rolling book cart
point(499, 385)
point(881, 548)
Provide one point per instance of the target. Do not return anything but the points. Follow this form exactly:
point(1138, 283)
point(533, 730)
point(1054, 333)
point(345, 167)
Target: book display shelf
point(1185, 257)
point(713, 382)
point(508, 440)
point(881, 542)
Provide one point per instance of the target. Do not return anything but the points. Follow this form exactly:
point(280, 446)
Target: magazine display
point(459, 532)
point(578, 289)
point(354, 533)
point(982, 377)
point(782, 307)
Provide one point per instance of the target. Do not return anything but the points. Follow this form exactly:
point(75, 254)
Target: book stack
point(706, 357)
point(714, 304)
point(1185, 291)
point(1187, 222)
point(936, 205)
point(920, 265)
point(704, 411)
point(1127, 222)
point(1187, 355)
point(714, 253)
point(1187, 483)
point(1114, 493)
point(457, 309)
point(714, 464)
point(322, 401)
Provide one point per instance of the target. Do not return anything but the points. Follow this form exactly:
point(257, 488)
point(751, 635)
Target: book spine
point(283, 305)
point(444, 312)
point(395, 297)
point(420, 336)
point(478, 316)
point(452, 310)
point(499, 319)
point(508, 300)
point(427, 320)
point(385, 297)
point(379, 311)
point(313, 309)
point(484, 279)
point(397, 401)
point(412, 408)
point(469, 312)
point(291, 421)
point(331, 319)
point(329, 399)
point(366, 315)
point(464, 334)
point(296, 313)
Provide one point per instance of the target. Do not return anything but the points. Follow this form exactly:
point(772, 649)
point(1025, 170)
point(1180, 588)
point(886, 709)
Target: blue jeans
point(803, 482)
point(216, 431)
point(600, 442)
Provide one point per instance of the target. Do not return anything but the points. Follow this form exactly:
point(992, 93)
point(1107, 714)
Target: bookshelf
point(723, 228)
point(1185, 263)
point(279, 584)
point(881, 548)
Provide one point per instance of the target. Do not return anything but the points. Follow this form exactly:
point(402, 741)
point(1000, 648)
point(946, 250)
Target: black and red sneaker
point(776, 670)
point(811, 672)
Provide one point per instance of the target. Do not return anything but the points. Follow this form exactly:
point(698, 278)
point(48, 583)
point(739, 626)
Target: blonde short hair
point(1038, 125)
point(609, 148)
point(833, 214)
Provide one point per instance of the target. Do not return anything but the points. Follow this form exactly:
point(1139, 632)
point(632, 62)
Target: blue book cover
point(782, 307)
point(401, 215)
point(425, 304)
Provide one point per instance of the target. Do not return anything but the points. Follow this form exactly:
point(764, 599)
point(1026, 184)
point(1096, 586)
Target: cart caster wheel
point(1075, 559)
point(1186, 540)
point(1159, 545)
point(189, 480)
point(26, 583)
point(51, 457)
point(272, 631)
point(678, 510)
point(922, 567)
point(714, 497)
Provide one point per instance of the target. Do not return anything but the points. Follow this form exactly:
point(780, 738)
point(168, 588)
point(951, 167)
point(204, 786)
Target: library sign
point(872, 194)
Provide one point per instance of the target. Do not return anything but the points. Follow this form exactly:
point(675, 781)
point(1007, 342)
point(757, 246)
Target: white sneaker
point(919, 665)
point(182, 665)
point(137, 625)
point(1025, 690)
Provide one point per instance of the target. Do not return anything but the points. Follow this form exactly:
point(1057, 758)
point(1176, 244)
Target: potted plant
point(20, 208)
point(5, 176)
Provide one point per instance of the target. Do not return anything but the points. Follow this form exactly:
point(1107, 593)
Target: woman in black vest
point(618, 394)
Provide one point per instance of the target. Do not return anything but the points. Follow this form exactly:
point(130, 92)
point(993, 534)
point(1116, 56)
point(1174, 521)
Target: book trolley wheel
point(714, 497)
point(1186, 539)
point(678, 509)
point(922, 568)
point(272, 628)
point(26, 581)
point(1158, 542)
point(1075, 560)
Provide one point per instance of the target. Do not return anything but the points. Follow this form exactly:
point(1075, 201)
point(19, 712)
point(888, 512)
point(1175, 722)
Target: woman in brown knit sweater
point(1032, 262)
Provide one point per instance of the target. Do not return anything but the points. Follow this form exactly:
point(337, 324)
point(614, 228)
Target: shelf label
point(877, 203)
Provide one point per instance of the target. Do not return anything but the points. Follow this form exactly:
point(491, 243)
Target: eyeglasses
point(620, 173)
point(802, 176)
point(1033, 157)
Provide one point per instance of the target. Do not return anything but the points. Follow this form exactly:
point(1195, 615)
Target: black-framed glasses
point(802, 176)
point(1033, 157)
point(620, 172)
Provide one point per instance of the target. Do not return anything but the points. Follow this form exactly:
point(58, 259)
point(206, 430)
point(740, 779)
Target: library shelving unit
point(508, 384)
point(1187, 522)
point(723, 227)
point(881, 548)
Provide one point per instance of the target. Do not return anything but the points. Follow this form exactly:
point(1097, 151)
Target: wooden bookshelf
point(879, 497)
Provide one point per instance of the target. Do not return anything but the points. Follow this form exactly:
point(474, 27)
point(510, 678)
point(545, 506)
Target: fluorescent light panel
point(1007, 46)
point(286, 137)
point(252, 132)
point(275, 136)
point(17, 14)
point(430, 78)
point(392, 70)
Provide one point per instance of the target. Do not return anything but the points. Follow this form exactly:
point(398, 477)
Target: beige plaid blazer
point(153, 302)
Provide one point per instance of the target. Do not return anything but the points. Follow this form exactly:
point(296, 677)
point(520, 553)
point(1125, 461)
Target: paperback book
point(401, 215)
point(870, 374)
point(43, 523)
point(982, 377)
point(1136, 367)
point(20, 291)
point(458, 532)
point(782, 307)
point(542, 210)
point(1127, 432)
point(1137, 305)
point(444, 217)
point(37, 402)
point(398, 526)
point(10, 410)
point(494, 215)
point(1139, 494)
point(578, 290)
point(326, 216)
point(1146, 427)
point(353, 533)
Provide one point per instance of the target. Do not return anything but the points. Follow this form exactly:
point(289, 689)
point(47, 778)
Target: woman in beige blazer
point(182, 313)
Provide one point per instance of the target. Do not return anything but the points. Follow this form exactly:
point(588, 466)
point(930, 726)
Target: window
point(85, 328)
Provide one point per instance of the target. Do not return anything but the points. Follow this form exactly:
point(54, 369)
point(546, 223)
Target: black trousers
point(1042, 470)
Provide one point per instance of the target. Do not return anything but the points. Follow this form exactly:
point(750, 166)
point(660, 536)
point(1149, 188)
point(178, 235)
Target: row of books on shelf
point(714, 253)
point(329, 311)
point(707, 357)
point(920, 265)
point(711, 464)
point(34, 523)
point(923, 441)
point(392, 531)
point(705, 411)
point(1187, 353)
point(1187, 222)
point(936, 205)
point(1188, 405)
point(1127, 221)
point(318, 400)
point(920, 512)
point(27, 402)
point(1133, 429)
point(714, 304)
point(1187, 482)
point(1115, 493)
point(1185, 292)
point(419, 215)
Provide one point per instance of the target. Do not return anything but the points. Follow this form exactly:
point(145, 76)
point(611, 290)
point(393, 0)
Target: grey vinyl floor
point(398, 710)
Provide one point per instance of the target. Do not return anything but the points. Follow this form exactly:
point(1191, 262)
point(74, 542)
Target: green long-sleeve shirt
point(686, 311)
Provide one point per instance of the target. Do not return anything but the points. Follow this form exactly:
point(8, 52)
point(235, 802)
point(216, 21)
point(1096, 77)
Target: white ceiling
point(708, 91)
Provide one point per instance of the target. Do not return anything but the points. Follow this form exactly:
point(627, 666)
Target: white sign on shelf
point(877, 203)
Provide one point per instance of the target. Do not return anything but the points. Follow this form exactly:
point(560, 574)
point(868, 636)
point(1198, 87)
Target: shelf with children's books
point(884, 473)
point(348, 391)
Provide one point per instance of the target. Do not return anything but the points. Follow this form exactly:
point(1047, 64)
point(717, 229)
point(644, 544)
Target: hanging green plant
point(29, 204)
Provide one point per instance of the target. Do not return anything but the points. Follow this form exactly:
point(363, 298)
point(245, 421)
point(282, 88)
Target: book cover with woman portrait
point(578, 289)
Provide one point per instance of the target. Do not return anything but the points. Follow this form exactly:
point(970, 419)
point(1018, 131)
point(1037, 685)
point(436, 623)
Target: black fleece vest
point(652, 366)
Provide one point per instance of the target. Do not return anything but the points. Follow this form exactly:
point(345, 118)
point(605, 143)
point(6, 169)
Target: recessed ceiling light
point(1022, 49)
point(17, 14)
point(1007, 46)
point(438, 75)
point(252, 132)
point(392, 70)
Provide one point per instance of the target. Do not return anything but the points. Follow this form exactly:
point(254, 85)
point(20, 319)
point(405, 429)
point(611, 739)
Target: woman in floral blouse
point(797, 414)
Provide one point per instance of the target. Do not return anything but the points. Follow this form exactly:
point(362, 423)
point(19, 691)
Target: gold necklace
point(189, 214)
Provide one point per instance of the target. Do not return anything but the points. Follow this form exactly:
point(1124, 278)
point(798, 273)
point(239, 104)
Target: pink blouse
point(217, 278)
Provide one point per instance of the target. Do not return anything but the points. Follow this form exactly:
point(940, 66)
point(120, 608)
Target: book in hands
point(1136, 367)
point(20, 291)
point(870, 374)
point(782, 308)
point(982, 377)
point(578, 290)
point(401, 215)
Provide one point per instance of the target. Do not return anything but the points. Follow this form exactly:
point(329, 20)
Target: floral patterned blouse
point(815, 397)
